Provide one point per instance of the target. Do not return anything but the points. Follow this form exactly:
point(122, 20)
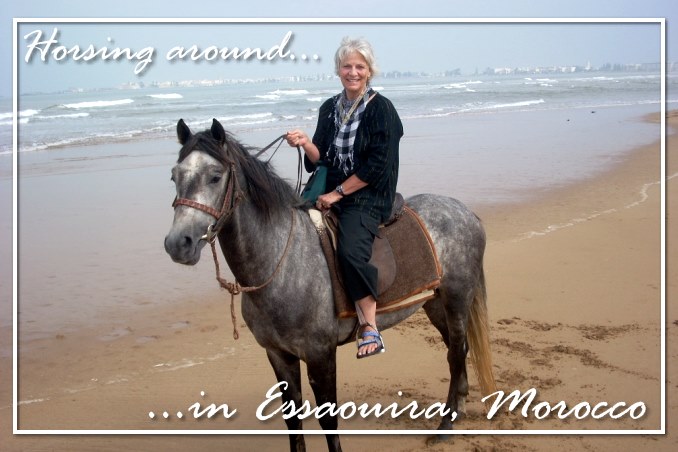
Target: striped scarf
point(346, 122)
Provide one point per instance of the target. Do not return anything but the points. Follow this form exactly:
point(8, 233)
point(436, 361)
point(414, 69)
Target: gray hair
point(360, 45)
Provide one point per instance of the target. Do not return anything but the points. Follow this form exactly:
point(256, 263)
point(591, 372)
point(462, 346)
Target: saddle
point(403, 253)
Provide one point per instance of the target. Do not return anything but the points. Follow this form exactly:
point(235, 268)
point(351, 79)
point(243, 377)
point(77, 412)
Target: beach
point(574, 298)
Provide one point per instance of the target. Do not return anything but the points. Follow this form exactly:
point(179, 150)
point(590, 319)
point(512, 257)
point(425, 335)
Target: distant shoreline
point(540, 71)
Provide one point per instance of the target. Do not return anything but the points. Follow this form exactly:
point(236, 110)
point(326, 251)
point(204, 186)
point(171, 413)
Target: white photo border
point(15, 55)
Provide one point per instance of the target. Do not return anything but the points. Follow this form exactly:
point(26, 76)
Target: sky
point(424, 47)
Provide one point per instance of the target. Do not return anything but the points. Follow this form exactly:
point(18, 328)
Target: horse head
point(204, 182)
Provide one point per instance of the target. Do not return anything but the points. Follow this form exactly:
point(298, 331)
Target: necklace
point(347, 115)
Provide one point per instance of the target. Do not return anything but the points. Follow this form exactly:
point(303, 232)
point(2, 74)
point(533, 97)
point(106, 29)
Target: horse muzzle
point(183, 248)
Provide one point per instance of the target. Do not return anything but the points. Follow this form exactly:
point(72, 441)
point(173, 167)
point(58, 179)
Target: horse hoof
point(438, 439)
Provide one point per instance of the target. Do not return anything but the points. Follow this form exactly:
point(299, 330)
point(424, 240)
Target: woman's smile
point(354, 74)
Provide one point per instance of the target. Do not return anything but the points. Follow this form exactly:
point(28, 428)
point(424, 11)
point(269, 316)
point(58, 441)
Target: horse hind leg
point(450, 319)
point(463, 323)
point(287, 368)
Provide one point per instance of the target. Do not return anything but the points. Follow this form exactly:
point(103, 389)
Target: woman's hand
point(325, 201)
point(296, 138)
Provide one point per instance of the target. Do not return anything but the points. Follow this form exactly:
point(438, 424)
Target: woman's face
point(354, 73)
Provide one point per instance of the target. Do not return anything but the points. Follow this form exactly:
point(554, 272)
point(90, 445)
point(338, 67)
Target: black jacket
point(376, 150)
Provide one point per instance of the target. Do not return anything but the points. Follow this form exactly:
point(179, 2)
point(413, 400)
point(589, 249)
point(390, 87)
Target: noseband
point(231, 198)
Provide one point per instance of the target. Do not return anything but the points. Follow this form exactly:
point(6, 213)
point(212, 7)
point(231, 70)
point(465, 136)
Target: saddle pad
point(418, 271)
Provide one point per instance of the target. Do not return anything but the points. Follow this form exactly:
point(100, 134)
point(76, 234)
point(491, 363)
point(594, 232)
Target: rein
point(231, 198)
point(234, 288)
point(279, 140)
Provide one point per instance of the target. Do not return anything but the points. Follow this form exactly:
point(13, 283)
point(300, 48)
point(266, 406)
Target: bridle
point(231, 198)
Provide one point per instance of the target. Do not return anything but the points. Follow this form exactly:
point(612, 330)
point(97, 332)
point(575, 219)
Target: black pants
point(354, 249)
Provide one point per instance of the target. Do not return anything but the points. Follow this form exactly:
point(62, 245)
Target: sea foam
point(166, 96)
point(99, 103)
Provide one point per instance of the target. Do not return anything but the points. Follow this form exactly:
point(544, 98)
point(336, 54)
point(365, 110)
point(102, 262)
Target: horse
point(272, 247)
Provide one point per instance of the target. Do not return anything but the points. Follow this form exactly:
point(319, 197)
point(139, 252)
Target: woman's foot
point(369, 341)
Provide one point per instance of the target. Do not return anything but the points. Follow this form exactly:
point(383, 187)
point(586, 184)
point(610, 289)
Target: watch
point(340, 190)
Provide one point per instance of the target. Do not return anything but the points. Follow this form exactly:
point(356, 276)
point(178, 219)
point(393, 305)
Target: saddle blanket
point(406, 247)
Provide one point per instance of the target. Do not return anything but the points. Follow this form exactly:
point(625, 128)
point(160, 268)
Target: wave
point(257, 122)
point(67, 116)
point(277, 94)
point(159, 129)
point(22, 114)
point(94, 139)
point(31, 116)
point(462, 85)
point(289, 92)
point(246, 117)
point(28, 113)
point(525, 103)
point(241, 120)
point(314, 99)
point(464, 89)
point(166, 96)
point(457, 86)
point(543, 82)
point(99, 103)
point(599, 78)
point(441, 112)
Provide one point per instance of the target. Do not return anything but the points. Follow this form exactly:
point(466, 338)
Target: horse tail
point(478, 338)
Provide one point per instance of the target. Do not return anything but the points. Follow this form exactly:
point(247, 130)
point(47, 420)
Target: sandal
point(367, 338)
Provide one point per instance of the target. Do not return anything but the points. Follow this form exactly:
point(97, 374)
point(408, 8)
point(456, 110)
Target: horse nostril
point(175, 244)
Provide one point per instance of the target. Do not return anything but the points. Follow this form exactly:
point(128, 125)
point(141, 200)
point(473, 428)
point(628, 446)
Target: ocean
point(510, 133)
point(56, 120)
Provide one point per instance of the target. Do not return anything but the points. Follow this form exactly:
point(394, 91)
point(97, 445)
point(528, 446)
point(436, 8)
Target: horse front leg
point(287, 368)
point(322, 375)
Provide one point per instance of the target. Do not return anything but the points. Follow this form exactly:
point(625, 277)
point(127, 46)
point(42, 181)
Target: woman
point(357, 136)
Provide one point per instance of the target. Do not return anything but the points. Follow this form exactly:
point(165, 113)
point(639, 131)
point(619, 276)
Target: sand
point(574, 286)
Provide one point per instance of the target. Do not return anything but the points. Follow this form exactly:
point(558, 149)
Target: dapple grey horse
point(272, 247)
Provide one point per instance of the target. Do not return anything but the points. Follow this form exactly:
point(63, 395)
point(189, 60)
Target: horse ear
point(218, 132)
point(183, 132)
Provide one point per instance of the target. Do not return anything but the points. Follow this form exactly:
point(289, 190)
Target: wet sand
point(574, 300)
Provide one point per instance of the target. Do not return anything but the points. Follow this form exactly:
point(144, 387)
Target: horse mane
point(269, 193)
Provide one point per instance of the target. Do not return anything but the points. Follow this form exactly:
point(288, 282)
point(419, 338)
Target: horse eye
point(215, 179)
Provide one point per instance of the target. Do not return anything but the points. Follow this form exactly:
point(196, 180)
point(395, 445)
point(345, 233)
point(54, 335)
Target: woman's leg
point(356, 237)
point(368, 306)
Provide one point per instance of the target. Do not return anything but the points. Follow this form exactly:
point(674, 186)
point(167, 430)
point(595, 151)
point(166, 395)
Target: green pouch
point(316, 184)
